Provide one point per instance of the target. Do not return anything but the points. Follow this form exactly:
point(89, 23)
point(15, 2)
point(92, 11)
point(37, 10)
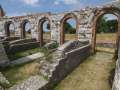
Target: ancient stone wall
point(84, 25)
point(116, 83)
point(55, 70)
point(3, 57)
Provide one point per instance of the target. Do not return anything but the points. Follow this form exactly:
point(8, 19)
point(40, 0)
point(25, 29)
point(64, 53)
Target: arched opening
point(44, 31)
point(69, 27)
point(10, 29)
point(26, 29)
point(106, 31)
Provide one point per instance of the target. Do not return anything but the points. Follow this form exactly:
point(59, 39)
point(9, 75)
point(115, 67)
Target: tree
point(102, 25)
point(69, 29)
point(107, 26)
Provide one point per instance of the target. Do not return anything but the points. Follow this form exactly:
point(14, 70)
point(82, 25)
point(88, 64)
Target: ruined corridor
point(92, 74)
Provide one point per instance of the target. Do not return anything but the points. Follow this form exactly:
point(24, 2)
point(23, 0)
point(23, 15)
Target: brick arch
point(64, 19)
point(7, 26)
point(98, 15)
point(23, 32)
point(40, 29)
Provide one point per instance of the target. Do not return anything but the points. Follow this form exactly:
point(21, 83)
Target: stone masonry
point(3, 57)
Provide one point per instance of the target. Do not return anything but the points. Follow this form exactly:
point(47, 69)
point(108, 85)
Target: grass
point(70, 36)
point(26, 53)
point(17, 74)
point(106, 37)
point(104, 49)
point(92, 74)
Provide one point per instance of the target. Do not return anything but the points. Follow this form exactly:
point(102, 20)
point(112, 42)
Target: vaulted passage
point(92, 74)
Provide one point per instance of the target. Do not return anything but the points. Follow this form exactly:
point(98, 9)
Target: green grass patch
point(104, 49)
point(14, 56)
point(17, 74)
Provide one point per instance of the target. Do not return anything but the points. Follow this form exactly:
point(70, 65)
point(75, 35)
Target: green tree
point(107, 26)
point(69, 29)
point(102, 25)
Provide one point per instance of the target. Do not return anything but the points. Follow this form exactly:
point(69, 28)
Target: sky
point(23, 7)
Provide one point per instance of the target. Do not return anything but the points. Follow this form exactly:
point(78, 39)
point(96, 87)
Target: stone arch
point(98, 14)
point(64, 19)
point(7, 28)
point(23, 32)
point(40, 29)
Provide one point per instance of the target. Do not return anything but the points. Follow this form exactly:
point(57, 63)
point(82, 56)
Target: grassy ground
point(104, 37)
point(104, 49)
point(19, 73)
point(70, 36)
point(93, 74)
point(26, 53)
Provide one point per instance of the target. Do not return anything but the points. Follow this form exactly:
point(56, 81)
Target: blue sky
point(21, 7)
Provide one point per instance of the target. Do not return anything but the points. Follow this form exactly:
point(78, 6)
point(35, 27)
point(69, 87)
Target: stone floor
point(93, 74)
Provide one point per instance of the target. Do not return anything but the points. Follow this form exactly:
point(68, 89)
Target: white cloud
point(67, 2)
point(71, 1)
point(31, 2)
point(56, 2)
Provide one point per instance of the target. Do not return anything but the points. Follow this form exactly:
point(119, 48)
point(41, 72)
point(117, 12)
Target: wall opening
point(69, 27)
point(44, 31)
point(26, 29)
point(106, 33)
point(10, 29)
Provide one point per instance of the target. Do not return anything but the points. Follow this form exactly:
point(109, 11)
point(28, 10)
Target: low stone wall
point(11, 38)
point(4, 61)
point(63, 63)
point(68, 64)
point(22, 41)
point(116, 83)
point(20, 45)
point(55, 70)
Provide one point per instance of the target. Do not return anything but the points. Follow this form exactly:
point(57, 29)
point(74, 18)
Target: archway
point(99, 15)
point(9, 29)
point(65, 25)
point(44, 35)
point(26, 29)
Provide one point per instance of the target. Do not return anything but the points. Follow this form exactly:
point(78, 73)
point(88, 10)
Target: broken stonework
point(33, 83)
point(3, 57)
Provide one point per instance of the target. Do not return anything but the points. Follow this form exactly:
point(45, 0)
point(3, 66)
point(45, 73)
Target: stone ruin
point(86, 20)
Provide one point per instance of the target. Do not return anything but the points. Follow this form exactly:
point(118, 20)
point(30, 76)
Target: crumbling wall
point(3, 57)
point(116, 83)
